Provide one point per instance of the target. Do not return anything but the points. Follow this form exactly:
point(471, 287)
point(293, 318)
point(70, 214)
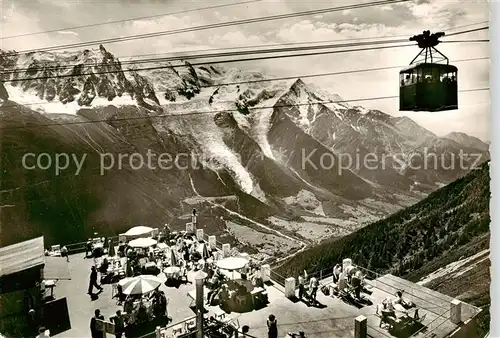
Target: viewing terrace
point(332, 316)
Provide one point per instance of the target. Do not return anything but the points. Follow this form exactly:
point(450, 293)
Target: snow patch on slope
point(31, 100)
point(262, 124)
point(216, 154)
point(457, 268)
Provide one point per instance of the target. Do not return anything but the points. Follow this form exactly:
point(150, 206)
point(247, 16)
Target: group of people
point(92, 249)
point(353, 278)
point(428, 78)
point(308, 288)
point(122, 319)
point(387, 310)
point(217, 283)
point(118, 320)
point(63, 252)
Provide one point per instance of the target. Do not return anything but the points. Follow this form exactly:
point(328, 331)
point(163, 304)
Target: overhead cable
point(215, 25)
point(214, 112)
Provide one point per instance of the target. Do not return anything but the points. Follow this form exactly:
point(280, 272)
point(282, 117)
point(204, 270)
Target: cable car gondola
point(428, 85)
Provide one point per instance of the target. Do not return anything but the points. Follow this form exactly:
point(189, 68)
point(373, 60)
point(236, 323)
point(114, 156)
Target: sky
point(378, 22)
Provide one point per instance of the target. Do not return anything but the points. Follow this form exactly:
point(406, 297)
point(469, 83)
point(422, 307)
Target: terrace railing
point(278, 279)
point(430, 328)
point(171, 331)
point(74, 248)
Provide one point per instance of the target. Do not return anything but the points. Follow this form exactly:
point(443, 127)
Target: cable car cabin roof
point(449, 68)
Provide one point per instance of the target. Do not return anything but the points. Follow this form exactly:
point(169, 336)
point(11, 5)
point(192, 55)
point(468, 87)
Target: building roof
point(21, 256)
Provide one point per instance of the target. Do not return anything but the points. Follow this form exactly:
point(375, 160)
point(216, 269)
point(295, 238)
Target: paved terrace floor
point(81, 307)
point(333, 319)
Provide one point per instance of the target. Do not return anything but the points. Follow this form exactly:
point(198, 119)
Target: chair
point(241, 300)
point(163, 333)
point(177, 330)
point(219, 314)
point(48, 284)
point(190, 325)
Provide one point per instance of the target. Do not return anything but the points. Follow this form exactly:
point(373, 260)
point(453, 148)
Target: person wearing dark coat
point(93, 280)
point(93, 327)
point(119, 322)
point(272, 325)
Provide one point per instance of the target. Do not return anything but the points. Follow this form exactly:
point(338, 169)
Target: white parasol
point(140, 285)
point(232, 263)
point(138, 231)
point(142, 243)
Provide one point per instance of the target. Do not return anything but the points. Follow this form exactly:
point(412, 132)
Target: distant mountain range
point(295, 159)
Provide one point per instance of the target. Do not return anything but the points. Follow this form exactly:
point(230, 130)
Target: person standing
point(93, 325)
point(64, 253)
point(301, 286)
point(93, 280)
point(272, 326)
point(356, 284)
point(88, 248)
point(337, 270)
point(119, 322)
point(313, 286)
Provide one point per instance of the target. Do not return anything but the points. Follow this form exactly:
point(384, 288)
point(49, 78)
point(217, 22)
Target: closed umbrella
point(142, 243)
point(111, 251)
point(140, 285)
point(203, 250)
point(173, 258)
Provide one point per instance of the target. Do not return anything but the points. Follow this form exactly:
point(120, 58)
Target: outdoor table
point(233, 284)
point(405, 312)
point(172, 271)
point(150, 265)
point(50, 284)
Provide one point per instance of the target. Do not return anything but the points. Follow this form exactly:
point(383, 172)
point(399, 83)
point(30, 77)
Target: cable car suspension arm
point(428, 42)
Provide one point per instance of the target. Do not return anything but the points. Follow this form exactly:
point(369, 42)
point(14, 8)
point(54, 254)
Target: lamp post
point(200, 279)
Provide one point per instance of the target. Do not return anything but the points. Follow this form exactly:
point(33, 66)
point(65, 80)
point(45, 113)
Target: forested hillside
point(450, 224)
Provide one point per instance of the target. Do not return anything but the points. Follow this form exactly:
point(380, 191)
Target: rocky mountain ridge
point(278, 146)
